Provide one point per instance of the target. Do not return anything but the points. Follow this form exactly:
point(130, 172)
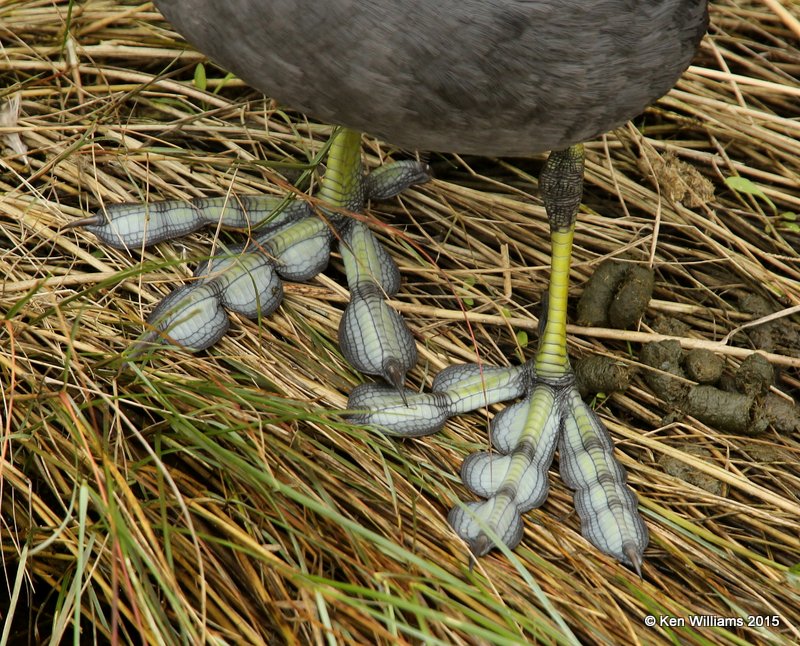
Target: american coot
point(489, 77)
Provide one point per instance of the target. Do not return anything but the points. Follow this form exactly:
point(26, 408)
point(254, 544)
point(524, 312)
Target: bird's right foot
point(288, 241)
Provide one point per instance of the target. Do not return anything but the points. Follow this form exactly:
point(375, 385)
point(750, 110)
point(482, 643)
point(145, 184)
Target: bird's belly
point(490, 77)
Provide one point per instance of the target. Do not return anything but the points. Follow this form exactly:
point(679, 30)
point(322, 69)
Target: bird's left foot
point(513, 479)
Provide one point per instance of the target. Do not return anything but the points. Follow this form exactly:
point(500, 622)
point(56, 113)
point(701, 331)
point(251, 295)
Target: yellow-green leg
point(605, 504)
point(561, 186)
point(513, 478)
point(343, 184)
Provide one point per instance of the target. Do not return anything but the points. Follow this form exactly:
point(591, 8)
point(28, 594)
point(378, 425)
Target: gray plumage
point(489, 77)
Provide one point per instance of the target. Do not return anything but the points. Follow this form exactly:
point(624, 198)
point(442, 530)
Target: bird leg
point(289, 241)
point(513, 479)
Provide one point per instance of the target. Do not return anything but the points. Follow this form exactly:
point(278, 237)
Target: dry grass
point(220, 498)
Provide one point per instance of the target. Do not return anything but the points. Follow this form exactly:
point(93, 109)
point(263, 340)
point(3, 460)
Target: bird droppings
point(616, 295)
point(600, 374)
point(598, 294)
point(783, 414)
point(703, 366)
point(730, 412)
point(771, 454)
point(666, 357)
point(755, 375)
point(689, 473)
point(631, 298)
point(773, 336)
point(670, 326)
point(739, 404)
point(679, 181)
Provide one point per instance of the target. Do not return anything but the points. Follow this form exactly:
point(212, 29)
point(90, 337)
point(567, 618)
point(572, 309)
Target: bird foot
point(289, 241)
point(513, 478)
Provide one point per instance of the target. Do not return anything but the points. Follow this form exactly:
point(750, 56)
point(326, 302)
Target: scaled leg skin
point(289, 241)
point(513, 479)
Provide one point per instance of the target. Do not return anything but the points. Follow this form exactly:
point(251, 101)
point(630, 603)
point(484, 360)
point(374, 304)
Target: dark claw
point(96, 220)
point(395, 375)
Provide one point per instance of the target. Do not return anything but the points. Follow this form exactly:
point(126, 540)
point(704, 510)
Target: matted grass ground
point(221, 497)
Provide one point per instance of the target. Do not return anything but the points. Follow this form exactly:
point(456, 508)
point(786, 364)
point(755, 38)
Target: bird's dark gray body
point(488, 77)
